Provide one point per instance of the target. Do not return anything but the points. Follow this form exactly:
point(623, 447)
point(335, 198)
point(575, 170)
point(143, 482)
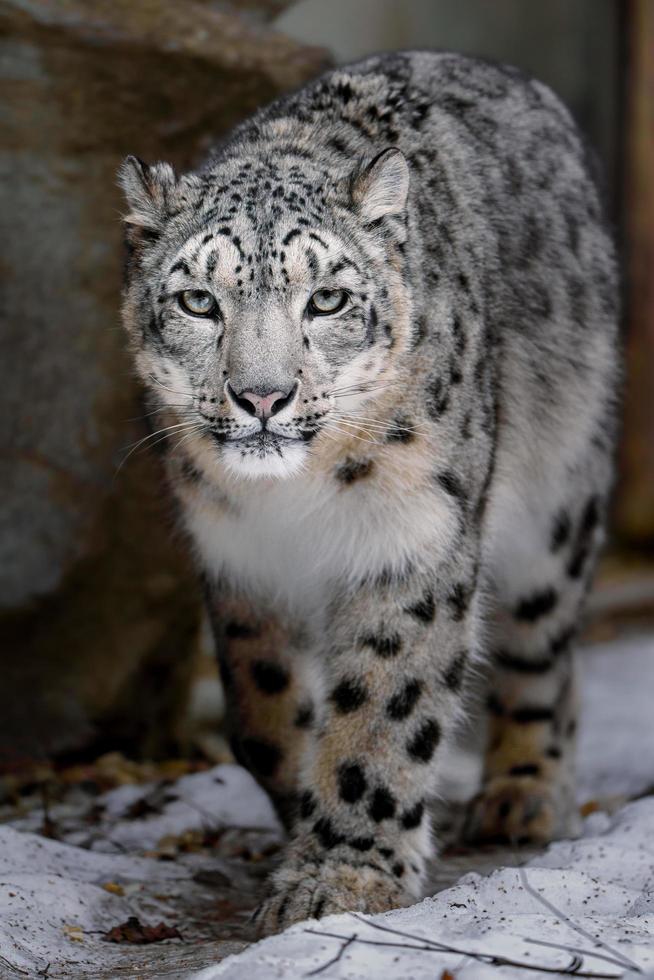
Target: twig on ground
point(334, 959)
point(15, 969)
point(423, 944)
point(625, 961)
point(575, 949)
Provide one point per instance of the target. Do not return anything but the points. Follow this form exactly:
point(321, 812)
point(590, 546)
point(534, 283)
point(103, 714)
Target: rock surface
point(95, 598)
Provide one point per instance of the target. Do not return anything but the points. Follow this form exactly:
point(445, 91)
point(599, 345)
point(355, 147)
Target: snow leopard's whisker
point(191, 394)
point(360, 386)
point(164, 433)
point(191, 427)
point(361, 389)
point(176, 409)
point(385, 426)
point(372, 423)
point(188, 435)
point(358, 424)
point(346, 432)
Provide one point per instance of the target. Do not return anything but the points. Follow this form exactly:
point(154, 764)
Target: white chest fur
point(291, 540)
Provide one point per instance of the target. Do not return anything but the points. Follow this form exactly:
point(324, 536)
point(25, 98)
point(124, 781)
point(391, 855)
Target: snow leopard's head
point(266, 300)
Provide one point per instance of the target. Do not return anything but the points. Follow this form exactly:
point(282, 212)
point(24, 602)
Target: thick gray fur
point(433, 494)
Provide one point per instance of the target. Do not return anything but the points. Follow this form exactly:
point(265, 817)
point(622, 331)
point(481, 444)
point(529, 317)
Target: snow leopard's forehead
point(267, 224)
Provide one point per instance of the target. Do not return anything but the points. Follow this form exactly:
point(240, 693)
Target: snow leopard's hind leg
point(270, 712)
point(528, 788)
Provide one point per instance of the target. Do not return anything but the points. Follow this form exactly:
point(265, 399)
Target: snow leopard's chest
point(297, 544)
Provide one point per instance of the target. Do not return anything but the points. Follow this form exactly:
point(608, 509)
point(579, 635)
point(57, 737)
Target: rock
point(99, 610)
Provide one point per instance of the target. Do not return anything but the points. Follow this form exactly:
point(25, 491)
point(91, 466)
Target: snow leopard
point(377, 328)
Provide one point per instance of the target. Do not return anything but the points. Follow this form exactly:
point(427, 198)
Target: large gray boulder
point(98, 609)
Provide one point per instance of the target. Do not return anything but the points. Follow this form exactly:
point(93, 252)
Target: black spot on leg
point(352, 470)
point(382, 805)
point(351, 782)
point(262, 756)
point(536, 606)
point(386, 852)
point(526, 769)
point(522, 665)
point(424, 609)
point(398, 869)
point(269, 677)
point(384, 646)
point(362, 843)
point(423, 744)
point(412, 818)
point(326, 834)
point(494, 706)
point(349, 695)
point(504, 809)
point(402, 704)
point(304, 716)
point(531, 714)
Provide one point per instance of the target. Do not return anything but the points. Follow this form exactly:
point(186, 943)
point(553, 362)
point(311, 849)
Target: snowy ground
point(191, 855)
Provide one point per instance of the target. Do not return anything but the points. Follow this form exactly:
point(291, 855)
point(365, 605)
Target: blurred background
point(103, 651)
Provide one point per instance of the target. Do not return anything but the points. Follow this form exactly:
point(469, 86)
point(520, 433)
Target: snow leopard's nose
point(262, 404)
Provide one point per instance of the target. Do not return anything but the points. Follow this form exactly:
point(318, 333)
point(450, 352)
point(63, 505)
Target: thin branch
point(491, 959)
point(573, 925)
point(575, 949)
point(334, 959)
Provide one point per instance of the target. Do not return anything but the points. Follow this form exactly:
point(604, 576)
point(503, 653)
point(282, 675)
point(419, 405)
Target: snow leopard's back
point(506, 228)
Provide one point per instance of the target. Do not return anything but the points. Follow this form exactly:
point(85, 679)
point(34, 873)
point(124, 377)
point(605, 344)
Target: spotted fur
point(430, 493)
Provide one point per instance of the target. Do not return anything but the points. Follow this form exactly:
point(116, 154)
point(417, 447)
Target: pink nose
point(262, 406)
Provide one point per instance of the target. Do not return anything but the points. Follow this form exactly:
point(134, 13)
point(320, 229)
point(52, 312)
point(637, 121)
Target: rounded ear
point(381, 187)
point(148, 190)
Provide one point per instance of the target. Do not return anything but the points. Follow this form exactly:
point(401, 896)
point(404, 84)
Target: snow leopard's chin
point(263, 457)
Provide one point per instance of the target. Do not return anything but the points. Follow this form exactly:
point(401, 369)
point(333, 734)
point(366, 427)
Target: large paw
point(315, 890)
point(521, 810)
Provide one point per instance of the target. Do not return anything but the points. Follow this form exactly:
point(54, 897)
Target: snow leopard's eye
point(197, 302)
point(325, 301)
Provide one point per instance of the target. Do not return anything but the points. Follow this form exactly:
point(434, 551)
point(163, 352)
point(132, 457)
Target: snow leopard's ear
point(381, 187)
point(149, 191)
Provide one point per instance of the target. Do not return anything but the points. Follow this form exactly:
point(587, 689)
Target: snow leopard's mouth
point(265, 442)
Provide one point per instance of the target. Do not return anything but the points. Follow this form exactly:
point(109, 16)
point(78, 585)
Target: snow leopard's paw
point(312, 891)
point(521, 810)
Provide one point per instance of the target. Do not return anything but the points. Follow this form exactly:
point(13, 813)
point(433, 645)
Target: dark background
point(102, 644)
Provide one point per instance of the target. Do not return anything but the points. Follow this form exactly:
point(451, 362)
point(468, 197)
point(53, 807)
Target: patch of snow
point(54, 908)
point(595, 894)
point(616, 734)
point(225, 796)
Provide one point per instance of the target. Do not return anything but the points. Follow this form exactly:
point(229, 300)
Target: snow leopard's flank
point(380, 324)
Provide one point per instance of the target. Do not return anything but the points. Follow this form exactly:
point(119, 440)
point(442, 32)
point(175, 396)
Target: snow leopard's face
point(266, 310)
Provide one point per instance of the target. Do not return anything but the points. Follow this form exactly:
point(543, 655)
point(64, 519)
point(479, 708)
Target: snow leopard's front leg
point(270, 711)
point(397, 660)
